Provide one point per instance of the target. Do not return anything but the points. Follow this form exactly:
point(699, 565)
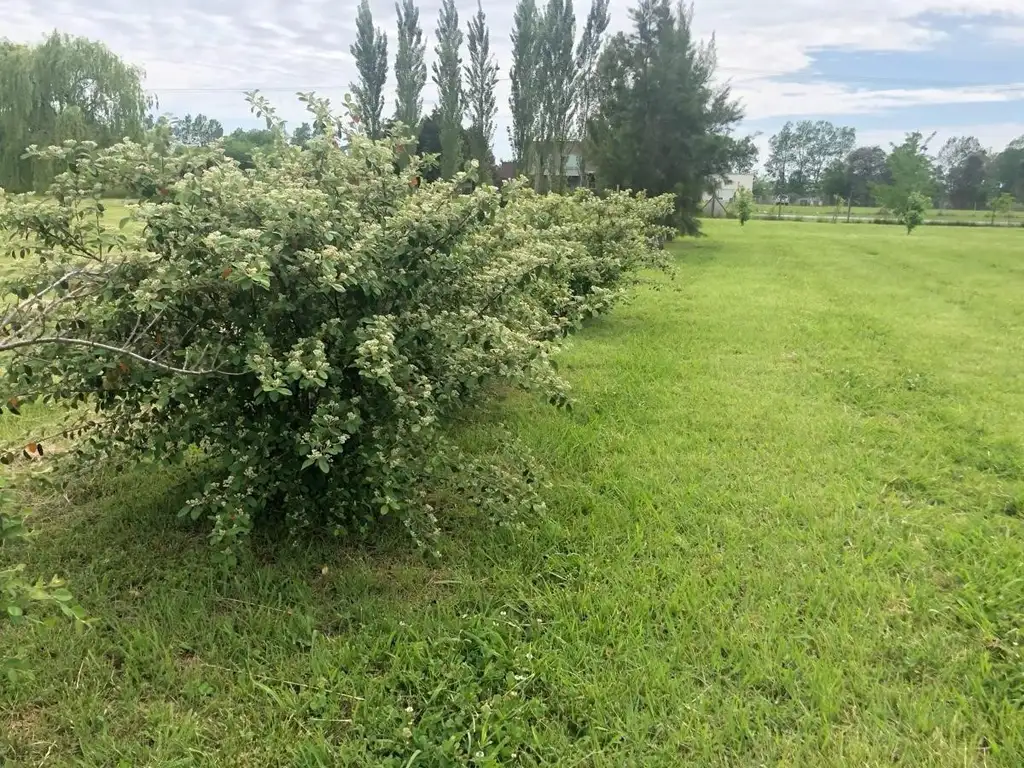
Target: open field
point(786, 527)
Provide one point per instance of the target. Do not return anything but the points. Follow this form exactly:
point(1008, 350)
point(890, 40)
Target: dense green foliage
point(854, 178)
point(801, 156)
point(662, 124)
point(667, 131)
point(66, 88)
point(302, 134)
point(963, 175)
point(1008, 168)
point(968, 175)
point(243, 146)
point(311, 324)
point(428, 142)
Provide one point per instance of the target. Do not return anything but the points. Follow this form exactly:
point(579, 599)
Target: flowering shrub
point(310, 324)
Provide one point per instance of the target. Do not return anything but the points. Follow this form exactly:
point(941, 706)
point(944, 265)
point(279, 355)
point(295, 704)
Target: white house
point(715, 203)
point(572, 168)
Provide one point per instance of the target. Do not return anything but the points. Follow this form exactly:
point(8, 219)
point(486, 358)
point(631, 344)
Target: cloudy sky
point(882, 66)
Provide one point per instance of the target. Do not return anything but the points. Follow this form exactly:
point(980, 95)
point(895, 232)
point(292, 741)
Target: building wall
point(572, 161)
point(733, 182)
point(716, 204)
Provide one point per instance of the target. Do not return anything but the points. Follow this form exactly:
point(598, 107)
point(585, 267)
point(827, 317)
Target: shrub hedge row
point(312, 324)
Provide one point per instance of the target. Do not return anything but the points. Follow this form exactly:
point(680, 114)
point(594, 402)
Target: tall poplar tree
point(558, 80)
point(370, 51)
point(524, 100)
point(481, 78)
point(410, 68)
point(588, 53)
point(448, 78)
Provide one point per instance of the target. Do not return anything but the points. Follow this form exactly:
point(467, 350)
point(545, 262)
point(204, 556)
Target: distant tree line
point(816, 159)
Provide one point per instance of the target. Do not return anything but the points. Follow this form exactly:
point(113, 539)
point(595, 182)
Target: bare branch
point(7, 346)
point(145, 331)
point(25, 304)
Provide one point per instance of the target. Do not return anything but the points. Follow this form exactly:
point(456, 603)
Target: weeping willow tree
point(64, 88)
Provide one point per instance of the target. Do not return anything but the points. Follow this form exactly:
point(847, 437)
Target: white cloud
point(200, 54)
point(1010, 34)
point(803, 99)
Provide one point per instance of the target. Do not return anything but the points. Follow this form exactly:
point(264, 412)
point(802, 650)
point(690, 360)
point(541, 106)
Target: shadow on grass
point(124, 534)
point(695, 251)
point(119, 541)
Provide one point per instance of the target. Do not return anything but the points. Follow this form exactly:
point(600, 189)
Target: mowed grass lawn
point(786, 527)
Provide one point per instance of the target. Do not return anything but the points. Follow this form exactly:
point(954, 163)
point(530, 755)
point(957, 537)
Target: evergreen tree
point(524, 100)
point(662, 125)
point(448, 78)
point(410, 69)
point(370, 51)
point(428, 142)
point(481, 78)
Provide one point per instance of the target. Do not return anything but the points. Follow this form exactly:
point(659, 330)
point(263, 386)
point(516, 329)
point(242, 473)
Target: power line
point(798, 77)
point(270, 89)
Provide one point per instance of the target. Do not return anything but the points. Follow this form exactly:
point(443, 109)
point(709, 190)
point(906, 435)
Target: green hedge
point(312, 324)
